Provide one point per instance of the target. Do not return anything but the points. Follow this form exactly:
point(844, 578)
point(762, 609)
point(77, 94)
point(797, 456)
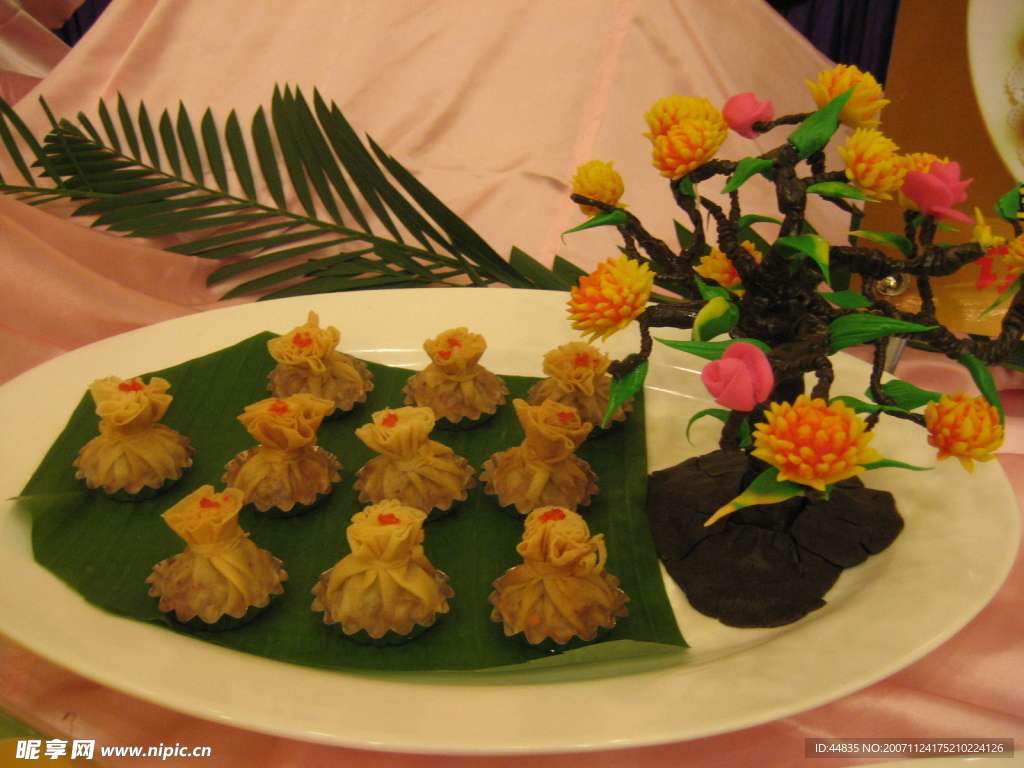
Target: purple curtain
point(856, 32)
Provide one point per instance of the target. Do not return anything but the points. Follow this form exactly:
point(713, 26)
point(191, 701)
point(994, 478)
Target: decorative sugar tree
point(758, 531)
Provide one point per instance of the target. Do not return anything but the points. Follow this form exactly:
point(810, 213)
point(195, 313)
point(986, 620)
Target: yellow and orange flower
point(686, 132)
point(718, 267)
point(611, 297)
point(964, 426)
point(598, 181)
point(865, 102)
point(1014, 256)
point(813, 443)
point(872, 163)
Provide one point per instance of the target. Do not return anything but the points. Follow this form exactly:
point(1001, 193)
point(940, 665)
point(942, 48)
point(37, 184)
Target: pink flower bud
point(936, 192)
point(743, 110)
point(741, 378)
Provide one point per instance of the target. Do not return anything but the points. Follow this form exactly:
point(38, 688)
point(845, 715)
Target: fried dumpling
point(308, 361)
point(134, 455)
point(577, 375)
point(385, 589)
point(222, 579)
point(562, 590)
point(544, 469)
point(411, 468)
point(460, 391)
point(287, 472)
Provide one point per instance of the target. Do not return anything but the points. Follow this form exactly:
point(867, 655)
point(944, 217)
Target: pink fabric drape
point(492, 105)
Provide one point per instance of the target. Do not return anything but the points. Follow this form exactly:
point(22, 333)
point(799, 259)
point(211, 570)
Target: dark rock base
point(765, 565)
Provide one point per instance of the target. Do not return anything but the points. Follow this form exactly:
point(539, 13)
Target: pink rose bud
point(741, 378)
point(936, 192)
point(743, 110)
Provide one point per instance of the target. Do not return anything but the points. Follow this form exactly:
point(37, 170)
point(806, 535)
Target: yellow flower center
point(865, 102)
point(610, 298)
point(872, 164)
point(598, 181)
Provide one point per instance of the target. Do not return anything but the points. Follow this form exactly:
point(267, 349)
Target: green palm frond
point(225, 194)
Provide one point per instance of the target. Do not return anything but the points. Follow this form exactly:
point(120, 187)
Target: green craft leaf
point(214, 155)
point(753, 218)
point(907, 396)
point(838, 189)
point(746, 168)
point(616, 218)
point(983, 379)
point(683, 235)
point(846, 299)
point(765, 489)
point(128, 127)
point(859, 328)
point(716, 317)
point(149, 137)
point(860, 406)
point(890, 239)
point(708, 291)
point(817, 129)
point(722, 414)
point(814, 246)
point(1005, 295)
point(685, 186)
point(170, 143)
point(538, 273)
point(710, 350)
point(624, 388)
point(1009, 205)
point(895, 464)
point(80, 536)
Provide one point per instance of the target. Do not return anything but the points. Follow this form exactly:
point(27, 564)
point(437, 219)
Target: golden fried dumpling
point(287, 472)
point(308, 361)
point(460, 391)
point(561, 590)
point(544, 469)
point(134, 454)
point(577, 375)
point(386, 584)
point(411, 468)
point(222, 578)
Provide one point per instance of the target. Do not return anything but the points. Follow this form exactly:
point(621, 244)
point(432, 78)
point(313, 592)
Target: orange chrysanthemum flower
point(864, 104)
point(872, 164)
point(686, 133)
point(598, 181)
point(717, 266)
point(611, 298)
point(964, 426)
point(813, 443)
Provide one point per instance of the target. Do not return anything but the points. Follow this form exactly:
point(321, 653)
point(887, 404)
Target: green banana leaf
point(105, 549)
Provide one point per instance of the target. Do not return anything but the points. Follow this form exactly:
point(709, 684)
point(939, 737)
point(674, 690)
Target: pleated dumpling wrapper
point(386, 588)
point(134, 455)
point(222, 579)
point(460, 391)
point(308, 361)
point(562, 590)
point(287, 472)
point(544, 469)
point(577, 375)
point(411, 468)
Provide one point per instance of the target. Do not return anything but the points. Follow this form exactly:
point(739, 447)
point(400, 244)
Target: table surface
point(493, 106)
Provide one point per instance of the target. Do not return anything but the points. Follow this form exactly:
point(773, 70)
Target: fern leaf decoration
point(225, 193)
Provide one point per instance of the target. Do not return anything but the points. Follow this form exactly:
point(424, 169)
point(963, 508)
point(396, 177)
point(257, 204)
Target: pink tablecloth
point(492, 105)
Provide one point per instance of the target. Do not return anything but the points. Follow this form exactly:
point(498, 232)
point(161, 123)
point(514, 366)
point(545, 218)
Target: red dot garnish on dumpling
point(565, 417)
point(208, 503)
point(388, 518)
point(130, 386)
point(453, 342)
point(279, 406)
point(553, 514)
point(390, 420)
point(302, 339)
point(444, 354)
point(581, 360)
